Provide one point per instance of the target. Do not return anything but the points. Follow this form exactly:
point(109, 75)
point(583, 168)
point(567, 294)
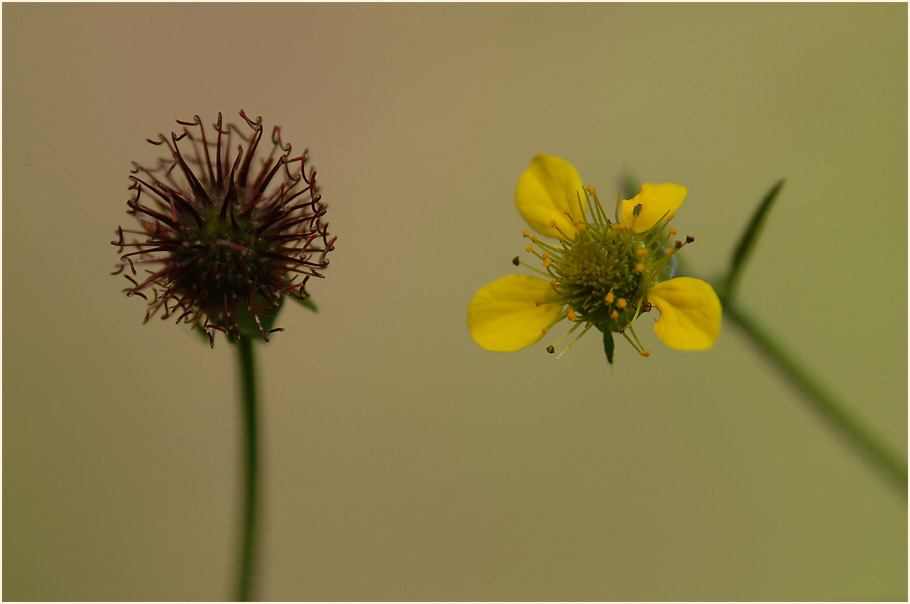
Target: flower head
point(599, 272)
point(223, 236)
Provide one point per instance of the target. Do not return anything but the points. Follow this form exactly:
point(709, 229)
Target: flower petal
point(690, 313)
point(657, 202)
point(546, 190)
point(504, 315)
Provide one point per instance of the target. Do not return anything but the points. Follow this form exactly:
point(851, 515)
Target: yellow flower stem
point(246, 563)
point(892, 465)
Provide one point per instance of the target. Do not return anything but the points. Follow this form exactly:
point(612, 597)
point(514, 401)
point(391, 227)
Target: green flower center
point(603, 275)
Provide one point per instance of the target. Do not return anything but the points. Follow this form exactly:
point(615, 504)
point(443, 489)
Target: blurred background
point(402, 462)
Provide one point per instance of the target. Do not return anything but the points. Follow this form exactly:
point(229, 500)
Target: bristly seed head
point(226, 235)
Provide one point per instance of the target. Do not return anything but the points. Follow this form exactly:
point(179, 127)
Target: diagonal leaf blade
point(749, 238)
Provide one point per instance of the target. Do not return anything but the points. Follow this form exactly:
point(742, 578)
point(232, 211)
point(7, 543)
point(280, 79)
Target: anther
point(546, 260)
point(538, 301)
point(645, 353)
point(553, 282)
point(614, 315)
point(571, 314)
point(515, 261)
point(646, 307)
point(550, 349)
point(640, 267)
point(529, 247)
point(678, 245)
point(689, 238)
point(609, 298)
point(526, 233)
point(671, 231)
point(591, 190)
point(641, 253)
point(544, 330)
point(621, 303)
point(534, 238)
point(553, 223)
point(618, 227)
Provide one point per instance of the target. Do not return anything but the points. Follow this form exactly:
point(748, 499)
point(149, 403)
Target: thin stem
point(892, 465)
point(250, 470)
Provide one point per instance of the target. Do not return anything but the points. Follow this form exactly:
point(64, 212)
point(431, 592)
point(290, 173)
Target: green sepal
point(748, 239)
point(306, 303)
point(630, 186)
point(209, 340)
point(267, 316)
point(608, 345)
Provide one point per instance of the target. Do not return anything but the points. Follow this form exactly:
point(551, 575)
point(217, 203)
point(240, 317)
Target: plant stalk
point(247, 561)
point(890, 464)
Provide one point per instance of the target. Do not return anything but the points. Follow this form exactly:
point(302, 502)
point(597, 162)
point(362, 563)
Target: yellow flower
point(599, 273)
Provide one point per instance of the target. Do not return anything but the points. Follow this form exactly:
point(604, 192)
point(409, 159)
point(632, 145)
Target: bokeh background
point(402, 462)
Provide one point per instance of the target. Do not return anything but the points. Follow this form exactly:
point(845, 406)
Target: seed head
point(223, 235)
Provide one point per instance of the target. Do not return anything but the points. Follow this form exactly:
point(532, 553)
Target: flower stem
point(250, 470)
point(890, 464)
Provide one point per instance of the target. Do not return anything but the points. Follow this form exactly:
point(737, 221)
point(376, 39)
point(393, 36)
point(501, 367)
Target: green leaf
point(749, 238)
point(608, 345)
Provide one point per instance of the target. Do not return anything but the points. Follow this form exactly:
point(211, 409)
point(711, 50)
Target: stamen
point(609, 298)
point(640, 267)
point(528, 266)
point(641, 349)
point(690, 239)
point(571, 314)
point(516, 261)
point(614, 315)
point(569, 347)
point(559, 230)
point(529, 247)
point(641, 253)
point(544, 330)
point(526, 233)
point(550, 349)
point(672, 231)
point(598, 213)
point(621, 303)
point(637, 347)
point(538, 302)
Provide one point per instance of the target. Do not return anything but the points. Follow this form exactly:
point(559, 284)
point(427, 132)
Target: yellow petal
point(690, 313)
point(504, 315)
point(546, 190)
point(657, 202)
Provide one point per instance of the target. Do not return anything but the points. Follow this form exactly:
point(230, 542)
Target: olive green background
point(403, 462)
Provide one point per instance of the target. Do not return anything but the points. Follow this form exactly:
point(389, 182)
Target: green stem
point(251, 463)
point(893, 466)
